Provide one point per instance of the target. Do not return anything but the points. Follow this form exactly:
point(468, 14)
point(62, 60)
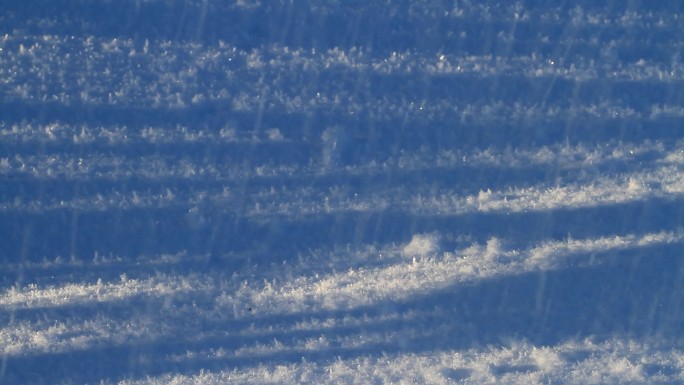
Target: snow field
point(201, 192)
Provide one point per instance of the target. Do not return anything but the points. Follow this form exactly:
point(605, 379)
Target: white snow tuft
point(422, 245)
point(275, 135)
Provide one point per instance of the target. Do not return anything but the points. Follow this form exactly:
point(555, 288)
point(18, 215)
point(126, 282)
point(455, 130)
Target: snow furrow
point(581, 363)
point(424, 272)
point(75, 294)
point(664, 181)
point(96, 166)
point(414, 269)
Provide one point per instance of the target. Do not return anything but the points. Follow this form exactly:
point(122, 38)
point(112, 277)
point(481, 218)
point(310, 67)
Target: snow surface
point(452, 192)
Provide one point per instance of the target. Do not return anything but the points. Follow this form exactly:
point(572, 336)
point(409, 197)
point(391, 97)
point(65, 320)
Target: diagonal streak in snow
point(419, 274)
point(411, 272)
point(73, 294)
